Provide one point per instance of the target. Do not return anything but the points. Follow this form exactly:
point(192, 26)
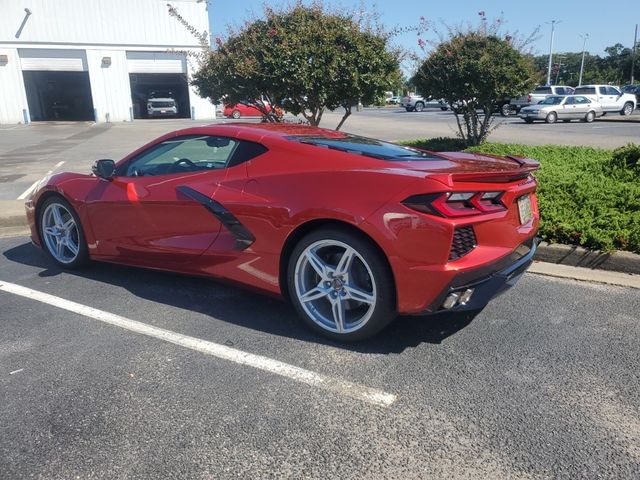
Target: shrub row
point(587, 196)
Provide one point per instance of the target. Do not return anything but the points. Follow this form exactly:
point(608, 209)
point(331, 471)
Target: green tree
point(303, 59)
point(474, 71)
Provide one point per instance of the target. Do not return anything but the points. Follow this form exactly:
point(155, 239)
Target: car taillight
point(457, 204)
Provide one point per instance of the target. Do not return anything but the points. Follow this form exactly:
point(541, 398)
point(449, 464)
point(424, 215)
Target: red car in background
point(351, 230)
point(241, 110)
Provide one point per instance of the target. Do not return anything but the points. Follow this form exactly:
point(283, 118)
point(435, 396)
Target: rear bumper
point(506, 273)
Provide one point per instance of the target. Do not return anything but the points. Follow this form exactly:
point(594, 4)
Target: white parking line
point(26, 193)
point(353, 390)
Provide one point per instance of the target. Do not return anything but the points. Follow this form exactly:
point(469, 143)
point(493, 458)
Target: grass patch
point(587, 196)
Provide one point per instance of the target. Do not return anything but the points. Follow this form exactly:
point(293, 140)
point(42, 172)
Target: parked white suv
point(611, 98)
point(415, 102)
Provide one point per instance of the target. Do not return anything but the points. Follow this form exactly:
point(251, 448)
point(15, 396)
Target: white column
point(110, 87)
point(13, 97)
point(201, 108)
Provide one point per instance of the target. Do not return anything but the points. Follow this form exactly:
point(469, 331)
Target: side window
point(582, 100)
point(603, 90)
point(560, 91)
point(191, 153)
point(613, 91)
point(570, 101)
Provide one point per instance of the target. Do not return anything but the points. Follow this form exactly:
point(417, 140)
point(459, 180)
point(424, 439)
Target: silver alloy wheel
point(335, 286)
point(419, 106)
point(60, 233)
point(590, 117)
point(627, 109)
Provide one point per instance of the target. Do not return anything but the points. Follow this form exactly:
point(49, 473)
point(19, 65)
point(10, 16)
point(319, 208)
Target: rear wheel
point(505, 110)
point(419, 107)
point(627, 109)
point(551, 118)
point(590, 117)
point(61, 233)
point(235, 114)
point(340, 285)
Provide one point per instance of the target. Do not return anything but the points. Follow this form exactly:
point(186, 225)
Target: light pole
point(553, 28)
point(633, 57)
point(584, 42)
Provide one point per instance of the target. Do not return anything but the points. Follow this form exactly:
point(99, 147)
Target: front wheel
point(341, 285)
point(235, 114)
point(590, 117)
point(61, 233)
point(627, 109)
point(505, 110)
point(551, 118)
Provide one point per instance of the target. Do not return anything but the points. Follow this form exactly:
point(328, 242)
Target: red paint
point(144, 221)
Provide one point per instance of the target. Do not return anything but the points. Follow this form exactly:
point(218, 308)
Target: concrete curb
point(570, 255)
point(585, 274)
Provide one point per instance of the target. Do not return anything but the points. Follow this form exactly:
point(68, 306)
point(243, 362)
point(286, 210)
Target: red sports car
point(241, 110)
point(351, 230)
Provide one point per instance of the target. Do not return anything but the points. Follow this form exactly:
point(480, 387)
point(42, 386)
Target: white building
point(96, 60)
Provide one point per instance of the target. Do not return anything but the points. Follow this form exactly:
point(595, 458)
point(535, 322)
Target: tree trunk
point(347, 112)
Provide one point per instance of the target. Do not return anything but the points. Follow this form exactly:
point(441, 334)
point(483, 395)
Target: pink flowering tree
point(474, 70)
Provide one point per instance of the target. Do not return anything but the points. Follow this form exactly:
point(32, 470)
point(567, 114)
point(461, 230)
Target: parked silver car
point(417, 103)
point(565, 108)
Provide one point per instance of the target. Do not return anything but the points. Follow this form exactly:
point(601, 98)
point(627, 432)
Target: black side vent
point(464, 240)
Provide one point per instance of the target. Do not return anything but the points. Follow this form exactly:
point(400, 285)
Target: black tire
point(408, 109)
point(590, 116)
point(82, 257)
point(528, 120)
point(419, 107)
point(444, 109)
point(383, 312)
point(566, 121)
point(505, 110)
point(627, 109)
point(551, 118)
point(235, 114)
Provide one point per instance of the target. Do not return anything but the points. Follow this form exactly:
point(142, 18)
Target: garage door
point(156, 62)
point(41, 59)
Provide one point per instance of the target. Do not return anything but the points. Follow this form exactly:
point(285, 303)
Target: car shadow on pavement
point(238, 306)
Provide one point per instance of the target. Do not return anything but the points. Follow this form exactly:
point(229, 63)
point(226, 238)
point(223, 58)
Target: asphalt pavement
point(544, 383)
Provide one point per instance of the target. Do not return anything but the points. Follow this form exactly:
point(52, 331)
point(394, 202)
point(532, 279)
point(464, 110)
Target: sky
point(606, 27)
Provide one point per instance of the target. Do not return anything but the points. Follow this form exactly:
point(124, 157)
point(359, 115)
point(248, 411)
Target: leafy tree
point(474, 71)
point(304, 59)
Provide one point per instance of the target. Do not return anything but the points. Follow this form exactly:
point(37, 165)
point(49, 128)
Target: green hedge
point(587, 196)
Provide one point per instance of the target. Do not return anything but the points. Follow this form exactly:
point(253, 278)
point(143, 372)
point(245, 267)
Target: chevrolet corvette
point(352, 231)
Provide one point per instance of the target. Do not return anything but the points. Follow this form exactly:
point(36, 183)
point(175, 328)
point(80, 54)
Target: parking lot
point(541, 384)
point(116, 372)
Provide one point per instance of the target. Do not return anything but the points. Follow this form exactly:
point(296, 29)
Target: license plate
point(163, 111)
point(524, 209)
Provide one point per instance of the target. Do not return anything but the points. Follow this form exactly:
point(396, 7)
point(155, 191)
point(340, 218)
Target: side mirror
point(104, 168)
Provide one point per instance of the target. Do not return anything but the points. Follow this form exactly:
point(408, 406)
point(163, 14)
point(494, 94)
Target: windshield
point(368, 147)
point(551, 101)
